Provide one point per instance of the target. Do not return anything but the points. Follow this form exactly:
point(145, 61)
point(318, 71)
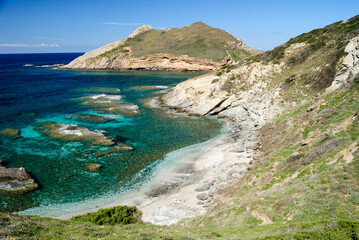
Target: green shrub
point(116, 215)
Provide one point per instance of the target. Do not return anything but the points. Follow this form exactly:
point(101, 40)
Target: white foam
point(161, 87)
point(28, 65)
point(64, 130)
point(132, 107)
point(97, 96)
point(113, 97)
point(109, 97)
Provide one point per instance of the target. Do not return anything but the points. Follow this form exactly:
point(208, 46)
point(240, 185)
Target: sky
point(40, 26)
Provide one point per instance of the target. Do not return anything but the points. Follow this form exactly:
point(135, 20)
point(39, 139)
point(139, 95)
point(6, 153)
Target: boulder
point(202, 196)
point(10, 133)
point(16, 180)
point(73, 133)
point(93, 167)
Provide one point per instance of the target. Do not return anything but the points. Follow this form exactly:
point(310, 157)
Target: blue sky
point(78, 26)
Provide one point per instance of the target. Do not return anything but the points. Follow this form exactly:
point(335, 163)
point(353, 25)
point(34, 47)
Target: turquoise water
point(32, 94)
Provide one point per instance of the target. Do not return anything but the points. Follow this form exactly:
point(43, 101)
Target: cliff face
point(197, 47)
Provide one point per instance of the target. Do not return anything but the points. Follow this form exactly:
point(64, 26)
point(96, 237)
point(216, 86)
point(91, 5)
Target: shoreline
point(216, 167)
point(184, 184)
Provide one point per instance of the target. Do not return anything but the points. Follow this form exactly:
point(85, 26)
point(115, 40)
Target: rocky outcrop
point(93, 167)
point(79, 63)
point(210, 95)
point(121, 147)
point(10, 133)
point(113, 104)
point(154, 62)
point(16, 180)
point(73, 133)
point(350, 67)
point(85, 117)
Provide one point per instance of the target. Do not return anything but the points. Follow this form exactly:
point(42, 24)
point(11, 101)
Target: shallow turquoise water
point(33, 94)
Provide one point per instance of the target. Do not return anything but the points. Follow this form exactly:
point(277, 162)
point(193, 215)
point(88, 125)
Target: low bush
point(116, 215)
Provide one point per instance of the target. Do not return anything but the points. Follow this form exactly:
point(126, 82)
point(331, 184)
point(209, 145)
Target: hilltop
point(294, 112)
point(197, 47)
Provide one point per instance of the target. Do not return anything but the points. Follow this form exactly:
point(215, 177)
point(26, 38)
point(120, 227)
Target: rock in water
point(112, 104)
point(16, 180)
point(11, 133)
point(118, 149)
point(85, 117)
point(93, 167)
point(127, 110)
point(73, 133)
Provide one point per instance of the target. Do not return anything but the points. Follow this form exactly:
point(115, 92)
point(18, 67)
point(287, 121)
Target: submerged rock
point(73, 133)
point(16, 180)
point(85, 117)
point(112, 104)
point(125, 109)
point(102, 100)
point(147, 87)
point(118, 149)
point(93, 167)
point(100, 90)
point(10, 133)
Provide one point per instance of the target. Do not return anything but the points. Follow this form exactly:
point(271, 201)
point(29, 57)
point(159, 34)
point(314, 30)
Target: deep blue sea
point(31, 91)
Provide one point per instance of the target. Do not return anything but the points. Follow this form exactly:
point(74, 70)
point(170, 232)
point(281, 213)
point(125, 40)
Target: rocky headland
point(197, 47)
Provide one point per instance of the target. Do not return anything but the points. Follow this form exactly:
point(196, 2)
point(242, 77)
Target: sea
point(33, 91)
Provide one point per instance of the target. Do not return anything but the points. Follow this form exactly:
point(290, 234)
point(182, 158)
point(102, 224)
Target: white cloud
point(124, 24)
point(28, 45)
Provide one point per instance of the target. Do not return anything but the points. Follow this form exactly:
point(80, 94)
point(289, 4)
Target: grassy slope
point(197, 40)
point(303, 183)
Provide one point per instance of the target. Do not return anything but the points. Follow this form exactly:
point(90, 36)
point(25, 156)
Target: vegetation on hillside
point(115, 215)
point(197, 40)
point(320, 45)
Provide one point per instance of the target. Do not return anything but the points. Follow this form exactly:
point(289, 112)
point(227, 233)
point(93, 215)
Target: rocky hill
point(295, 112)
point(197, 47)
